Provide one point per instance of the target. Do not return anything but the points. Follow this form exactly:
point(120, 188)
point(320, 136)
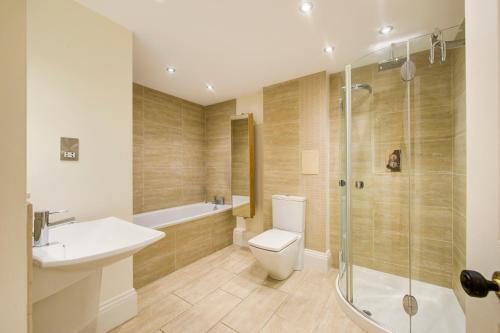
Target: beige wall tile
point(155, 261)
point(296, 119)
point(218, 149)
point(169, 146)
point(183, 244)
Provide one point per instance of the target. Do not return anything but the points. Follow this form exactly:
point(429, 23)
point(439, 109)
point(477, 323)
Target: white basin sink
point(92, 245)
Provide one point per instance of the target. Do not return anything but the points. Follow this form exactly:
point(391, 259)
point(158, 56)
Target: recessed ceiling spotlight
point(306, 7)
point(171, 70)
point(329, 49)
point(385, 29)
point(210, 87)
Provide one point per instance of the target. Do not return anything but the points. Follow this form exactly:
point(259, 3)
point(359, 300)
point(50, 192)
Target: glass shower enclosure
point(402, 174)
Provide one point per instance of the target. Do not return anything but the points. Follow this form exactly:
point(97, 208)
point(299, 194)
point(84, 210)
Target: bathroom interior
point(300, 166)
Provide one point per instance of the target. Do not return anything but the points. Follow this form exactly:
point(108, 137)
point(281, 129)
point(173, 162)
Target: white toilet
point(281, 249)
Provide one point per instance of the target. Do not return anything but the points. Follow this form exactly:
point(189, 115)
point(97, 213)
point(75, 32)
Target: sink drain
point(368, 313)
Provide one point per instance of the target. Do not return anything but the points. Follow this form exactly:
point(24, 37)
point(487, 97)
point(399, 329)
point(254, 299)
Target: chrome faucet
point(41, 226)
point(218, 201)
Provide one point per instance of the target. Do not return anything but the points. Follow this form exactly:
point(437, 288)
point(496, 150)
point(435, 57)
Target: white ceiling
point(240, 46)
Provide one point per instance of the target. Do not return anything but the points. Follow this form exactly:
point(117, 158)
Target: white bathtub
point(176, 215)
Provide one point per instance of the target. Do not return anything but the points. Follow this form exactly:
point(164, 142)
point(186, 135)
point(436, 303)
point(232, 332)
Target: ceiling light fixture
point(210, 87)
point(306, 7)
point(171, 70)
point(329, 49)
point(385, 29)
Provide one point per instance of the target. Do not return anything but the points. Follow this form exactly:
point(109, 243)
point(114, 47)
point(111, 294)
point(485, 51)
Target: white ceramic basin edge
point(94, 244)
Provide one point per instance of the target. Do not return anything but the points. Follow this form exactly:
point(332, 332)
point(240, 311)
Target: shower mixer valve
point(394, 162)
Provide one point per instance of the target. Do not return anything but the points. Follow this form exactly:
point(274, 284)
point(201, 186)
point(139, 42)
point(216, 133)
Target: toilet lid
point(273, 240)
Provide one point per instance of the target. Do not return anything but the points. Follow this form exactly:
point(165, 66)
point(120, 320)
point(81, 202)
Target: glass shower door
point(378, 188)
point(341, 134)
point(403, 203)
point(437, 196)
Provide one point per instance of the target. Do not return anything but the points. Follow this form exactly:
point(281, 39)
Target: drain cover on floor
point(368, 313)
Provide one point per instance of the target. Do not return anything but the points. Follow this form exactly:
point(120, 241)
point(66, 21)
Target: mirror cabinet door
point(242, 165)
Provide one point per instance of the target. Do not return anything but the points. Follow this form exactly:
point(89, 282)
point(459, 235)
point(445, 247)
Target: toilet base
point(280, 264)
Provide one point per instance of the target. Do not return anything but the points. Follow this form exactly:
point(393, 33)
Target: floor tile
point(237, 261)
point(221, 328)
point(277, 324)
point(304, 305)
point(333, 318)
point(204, 315)
point(240, 287)
point(255, 310)
point(254, 273)
point(209, 262)
point(154, 317)
point(228, 291)
point(157, 290)
point(287, 285)
point(204, 285)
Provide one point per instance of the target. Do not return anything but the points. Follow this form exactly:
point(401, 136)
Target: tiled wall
point(381, 212)
point(296, 119)
point(459, 172)
point(218, 149)
point(169, 141)
point(183, 244)
point(181, 155)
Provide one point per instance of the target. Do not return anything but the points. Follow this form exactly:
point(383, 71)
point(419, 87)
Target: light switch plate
point(70, 149)
point(310, 162)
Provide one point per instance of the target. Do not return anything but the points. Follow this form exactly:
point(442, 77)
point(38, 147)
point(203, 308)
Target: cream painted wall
point(80, 85)
point(483, 155)
point(13, 275)
point(253, 103)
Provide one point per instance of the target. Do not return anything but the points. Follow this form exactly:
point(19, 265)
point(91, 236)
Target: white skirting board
point(317, 260)
point(116, 311)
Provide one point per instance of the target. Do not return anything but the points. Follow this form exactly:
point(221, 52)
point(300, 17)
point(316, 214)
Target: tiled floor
point(228, 292)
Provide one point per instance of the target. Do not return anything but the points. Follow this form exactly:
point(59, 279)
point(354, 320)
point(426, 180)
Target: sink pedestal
point(67, 275)
point(72, 308)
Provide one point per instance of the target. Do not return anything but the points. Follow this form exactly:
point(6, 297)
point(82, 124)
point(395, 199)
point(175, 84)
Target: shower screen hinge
point(410, 305)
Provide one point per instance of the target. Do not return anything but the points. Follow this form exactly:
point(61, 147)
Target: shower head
point(391, 63)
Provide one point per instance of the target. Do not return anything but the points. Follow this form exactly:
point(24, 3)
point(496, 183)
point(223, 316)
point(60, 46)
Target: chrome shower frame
point(437, 41)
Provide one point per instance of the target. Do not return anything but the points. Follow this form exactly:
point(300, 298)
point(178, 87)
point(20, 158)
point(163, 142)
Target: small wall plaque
point(310, 162)
point(69, 149)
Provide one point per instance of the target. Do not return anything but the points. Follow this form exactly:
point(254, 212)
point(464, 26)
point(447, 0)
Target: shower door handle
point(476, 285)
point(359, 184)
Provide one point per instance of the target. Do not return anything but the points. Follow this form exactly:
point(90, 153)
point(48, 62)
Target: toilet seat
point(274, 240)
